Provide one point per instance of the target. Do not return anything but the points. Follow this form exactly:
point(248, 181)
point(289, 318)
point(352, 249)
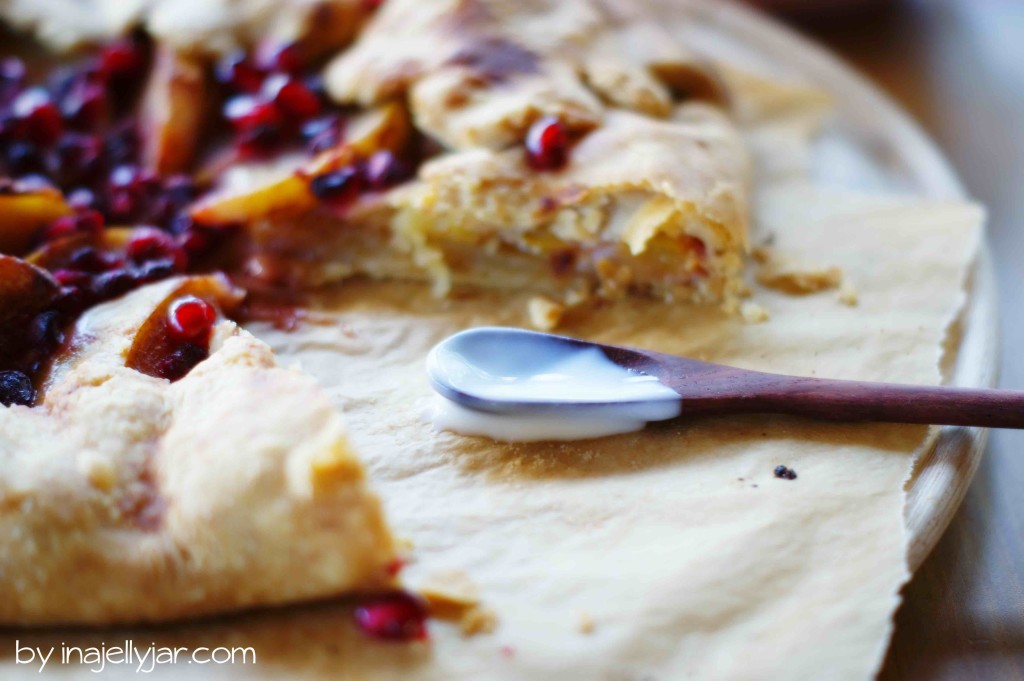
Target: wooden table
point(958, 67)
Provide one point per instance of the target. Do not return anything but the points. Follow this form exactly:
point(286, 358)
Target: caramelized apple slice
point(24, 211)
point(173, 108)
point(385, 128)
point(25, 290)
point(161, 348)
point(257, 191)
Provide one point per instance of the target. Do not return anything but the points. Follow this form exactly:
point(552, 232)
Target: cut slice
point(200, 495)
point(580, 153)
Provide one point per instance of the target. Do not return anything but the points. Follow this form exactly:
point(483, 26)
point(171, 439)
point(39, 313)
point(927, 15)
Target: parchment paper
point(667, 554)
point(688, 556)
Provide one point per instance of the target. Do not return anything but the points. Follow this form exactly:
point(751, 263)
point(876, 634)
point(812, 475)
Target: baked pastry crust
point(233, 487)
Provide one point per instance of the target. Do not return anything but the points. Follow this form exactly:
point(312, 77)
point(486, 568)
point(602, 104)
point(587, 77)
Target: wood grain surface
point(958, 67)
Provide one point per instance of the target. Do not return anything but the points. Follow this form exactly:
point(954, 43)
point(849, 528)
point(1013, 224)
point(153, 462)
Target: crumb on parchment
point(451, 595)
point(787, 274)
point(753, 313)
point(848, 294)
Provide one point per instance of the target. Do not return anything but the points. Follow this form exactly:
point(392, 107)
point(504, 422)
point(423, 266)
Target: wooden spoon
point(465, 367)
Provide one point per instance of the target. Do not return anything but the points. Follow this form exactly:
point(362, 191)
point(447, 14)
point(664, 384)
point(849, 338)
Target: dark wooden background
point(958, 67)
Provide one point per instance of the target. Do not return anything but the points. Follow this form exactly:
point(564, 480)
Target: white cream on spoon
point(515, 385)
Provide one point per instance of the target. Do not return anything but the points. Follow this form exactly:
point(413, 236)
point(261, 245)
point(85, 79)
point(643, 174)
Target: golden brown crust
point(231, 488)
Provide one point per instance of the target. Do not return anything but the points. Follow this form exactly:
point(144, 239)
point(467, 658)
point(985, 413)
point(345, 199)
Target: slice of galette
point(170, 468)
point(571, 148)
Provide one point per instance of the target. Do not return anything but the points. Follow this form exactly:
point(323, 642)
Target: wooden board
point(895, 156)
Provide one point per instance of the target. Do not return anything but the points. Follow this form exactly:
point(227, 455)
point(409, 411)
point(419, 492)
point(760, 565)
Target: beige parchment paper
point(675, 547)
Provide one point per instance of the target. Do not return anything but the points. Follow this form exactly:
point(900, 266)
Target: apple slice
point(152, 344)
point(172, 113)
point(384, 128)
point(280, 188)
point(256, 191)
point(24, 211)
point(25, 290)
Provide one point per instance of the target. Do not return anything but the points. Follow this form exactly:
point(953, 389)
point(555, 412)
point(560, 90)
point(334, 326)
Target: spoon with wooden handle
point(465, 368)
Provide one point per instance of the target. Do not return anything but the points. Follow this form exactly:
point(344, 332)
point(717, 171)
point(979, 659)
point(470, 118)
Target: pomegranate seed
point(246, 112)
point(384, 170)
point(39, 116)
point(397, 616)
point(113, 283)
point(121, 146)
point(190, 318)
point(45, 331)
point(277, 57)
point(180, 190)
point(88, 259)
point(85, 106)
point(23, 158)
point(77, 159)
point(195, 240)
point(155, 270)
point(238, 73)
point(258, 142)
point(339, 188)
point(16, 388)
point(180, 361)
point(547, 145)
point(87, 221)
point(131, 193)
point(322, 133)
point(291, 96)
point(71, 278)
point(150, 244)
point(122, 59)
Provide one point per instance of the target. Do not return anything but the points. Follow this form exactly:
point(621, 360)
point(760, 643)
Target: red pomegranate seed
point(190, 319)
point(338, 188)
point(85, 106)
point(180, 361)
point(152, 244)
point(86, 221)
point(291, 96)
point(248, 113)
point(547, 145)
point(71, 278)
point(39, 116)
point(239, 73)
point(89, 259)
point(77, 159)
point(397, 616)
point(194, 241)
point(122, 59)
point(286, 57)
point(384, 170)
